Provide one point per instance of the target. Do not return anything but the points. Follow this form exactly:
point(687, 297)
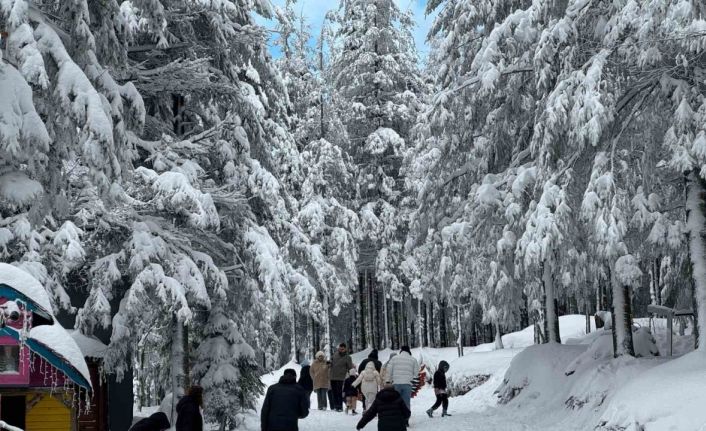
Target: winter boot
point(444, 413)
point(354, 412)
point(430, 413)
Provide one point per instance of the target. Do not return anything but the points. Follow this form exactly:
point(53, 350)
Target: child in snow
point(350, 391)
point(442, 398)
point(391, 410)
point(370, 383)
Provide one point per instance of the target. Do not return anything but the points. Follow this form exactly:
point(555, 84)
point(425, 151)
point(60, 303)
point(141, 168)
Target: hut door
point(12, 410)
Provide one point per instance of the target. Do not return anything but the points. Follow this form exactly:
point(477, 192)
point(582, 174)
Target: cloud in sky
point(315, 12)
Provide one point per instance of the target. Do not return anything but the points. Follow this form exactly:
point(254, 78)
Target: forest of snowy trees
point(213, 212)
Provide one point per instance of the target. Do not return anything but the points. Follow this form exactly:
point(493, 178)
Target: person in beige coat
point(320, 375)
point(370, 383)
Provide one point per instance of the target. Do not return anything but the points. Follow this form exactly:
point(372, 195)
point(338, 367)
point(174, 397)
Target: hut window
point(9, 359)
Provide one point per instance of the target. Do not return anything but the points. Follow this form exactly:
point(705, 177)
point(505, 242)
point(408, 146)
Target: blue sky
point(315, 10)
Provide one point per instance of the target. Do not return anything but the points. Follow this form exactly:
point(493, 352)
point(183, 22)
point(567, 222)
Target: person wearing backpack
point(370, 383)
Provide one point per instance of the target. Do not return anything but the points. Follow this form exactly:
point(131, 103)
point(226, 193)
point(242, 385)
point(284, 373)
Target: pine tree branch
point(509, 71)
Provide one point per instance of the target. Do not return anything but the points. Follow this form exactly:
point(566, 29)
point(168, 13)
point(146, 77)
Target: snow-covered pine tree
point(64, 127)
point(375, 74)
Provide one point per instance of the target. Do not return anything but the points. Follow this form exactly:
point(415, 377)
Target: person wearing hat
point(442, 397)
point(305, 380)
point(319, 371)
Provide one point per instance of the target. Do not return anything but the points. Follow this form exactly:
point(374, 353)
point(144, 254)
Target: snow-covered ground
point(599, 392)
point(573, 386)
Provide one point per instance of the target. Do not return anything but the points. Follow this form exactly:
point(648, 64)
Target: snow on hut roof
point(91, 347)
point(59, 342)
point(27, 286)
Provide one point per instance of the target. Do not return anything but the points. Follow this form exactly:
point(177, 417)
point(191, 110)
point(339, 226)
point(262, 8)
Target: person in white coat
point(370, 382)
point(401, 370)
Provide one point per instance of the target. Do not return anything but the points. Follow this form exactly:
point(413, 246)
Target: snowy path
point(489, 420)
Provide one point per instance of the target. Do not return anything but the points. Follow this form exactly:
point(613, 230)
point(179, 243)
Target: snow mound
point(27, 285)
point(601, 349)
point(535, 372)
point(670, 398)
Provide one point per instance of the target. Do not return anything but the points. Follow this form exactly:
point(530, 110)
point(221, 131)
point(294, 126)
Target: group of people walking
point(384, 389)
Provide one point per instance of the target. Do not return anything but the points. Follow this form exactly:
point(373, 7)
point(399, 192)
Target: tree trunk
point(386, 317)
point(430, 325)
point(371, 310)
point(459, 331)
point(551, 317)
point(187, 358)
point(327, 329)
point(309, 337)
point(443, 330)
point(294, 352)
point(378, 319)
point(420, 323)
point(498, 337)
point(587, 311)
point(524, 312)
point(360, 316)
point(622, 321)
point(696, 222)
point(177, 363)
point(397, 308)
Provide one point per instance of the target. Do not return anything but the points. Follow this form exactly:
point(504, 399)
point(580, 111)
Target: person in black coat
point(157, 422)
point(351, 392)
point(442, 397)
point(372, 356)
point(391, 410)
point(305, 380)
point(189, 410)
point(285, 403)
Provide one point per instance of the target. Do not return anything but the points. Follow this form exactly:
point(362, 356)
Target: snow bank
point(536, 373)
point(581, 386)
point(571, 327)
point(671, 397)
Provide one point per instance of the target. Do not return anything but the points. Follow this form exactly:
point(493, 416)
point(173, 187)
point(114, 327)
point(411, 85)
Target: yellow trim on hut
point(49, 414)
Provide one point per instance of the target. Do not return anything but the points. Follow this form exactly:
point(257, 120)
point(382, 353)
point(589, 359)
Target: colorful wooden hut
point(45, 383)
